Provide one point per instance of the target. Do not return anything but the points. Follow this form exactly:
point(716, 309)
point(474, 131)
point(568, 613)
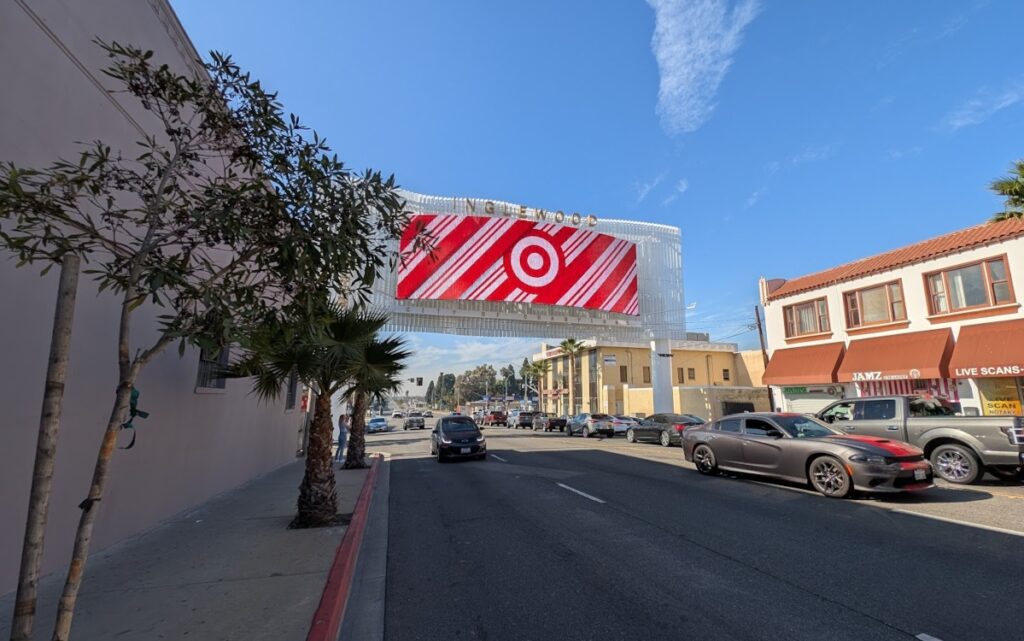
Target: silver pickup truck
point(959, 447)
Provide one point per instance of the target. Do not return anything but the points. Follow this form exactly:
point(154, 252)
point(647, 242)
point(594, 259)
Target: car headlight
point(446, 441)
point(866, 458)
point(480, 439)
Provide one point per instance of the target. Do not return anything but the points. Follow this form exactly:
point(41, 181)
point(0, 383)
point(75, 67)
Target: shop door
point(809, 404)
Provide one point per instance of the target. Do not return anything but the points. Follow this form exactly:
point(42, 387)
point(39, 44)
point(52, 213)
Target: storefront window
point(1000, 396)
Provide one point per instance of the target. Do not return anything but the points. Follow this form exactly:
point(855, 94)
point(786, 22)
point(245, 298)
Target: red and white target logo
point(492, 258)
point(534, 261)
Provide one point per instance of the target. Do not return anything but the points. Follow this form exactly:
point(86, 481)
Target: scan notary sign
point(515, 260)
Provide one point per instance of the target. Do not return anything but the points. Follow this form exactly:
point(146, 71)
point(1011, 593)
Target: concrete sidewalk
point(229, 569)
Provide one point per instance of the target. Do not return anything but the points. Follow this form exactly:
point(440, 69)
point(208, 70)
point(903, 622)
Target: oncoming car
point(377, 424)
point(457, 437)
point(799, 448)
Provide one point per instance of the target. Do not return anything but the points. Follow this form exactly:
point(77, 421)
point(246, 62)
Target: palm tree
point(540, 369)
point(315, 350)
point(572, 348)
point(1012, 188)
point(373, 369)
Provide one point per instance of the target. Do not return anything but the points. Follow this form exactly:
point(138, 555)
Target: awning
point(989, 350)
point(909, 355)
point(804, 365)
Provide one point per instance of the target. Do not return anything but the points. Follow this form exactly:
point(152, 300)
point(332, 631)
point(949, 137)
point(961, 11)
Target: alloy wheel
point(829, 477)
point(954, 466)
point(630, 436)
point(704, 459)
point(666, 439)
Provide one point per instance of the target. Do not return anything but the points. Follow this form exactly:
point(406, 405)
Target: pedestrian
point(342, 437)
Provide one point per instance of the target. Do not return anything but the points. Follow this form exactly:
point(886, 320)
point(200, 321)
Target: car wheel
point(704, 459)
point(1006, 473)
point(630, 436)
point(586, 431)
point(829, 477)
point(956, 463)
point(665, 439)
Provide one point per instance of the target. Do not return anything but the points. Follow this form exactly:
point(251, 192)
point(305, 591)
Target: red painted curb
point(327, 618)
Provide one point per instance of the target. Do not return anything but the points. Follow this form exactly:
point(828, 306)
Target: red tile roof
point(976, 236)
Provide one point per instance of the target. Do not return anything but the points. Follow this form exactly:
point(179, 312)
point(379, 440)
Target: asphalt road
point(511, 549)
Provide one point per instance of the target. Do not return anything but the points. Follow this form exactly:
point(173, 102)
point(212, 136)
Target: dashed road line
point(499, 458)
point(583, 494)
point(927, 637)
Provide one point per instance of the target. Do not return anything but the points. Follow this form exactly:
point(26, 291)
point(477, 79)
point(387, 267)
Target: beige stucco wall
point(193, 445)
point(749, 368)
point(705, 402)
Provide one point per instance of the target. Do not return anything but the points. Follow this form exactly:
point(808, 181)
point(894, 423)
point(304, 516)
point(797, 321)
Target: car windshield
point(458, 424)
point(804, 427)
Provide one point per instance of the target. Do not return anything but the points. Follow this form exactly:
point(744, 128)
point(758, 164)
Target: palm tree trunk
point(355, 457)
point(572, 385)
point(46, 451)
point(83, 537)
point(318, 498)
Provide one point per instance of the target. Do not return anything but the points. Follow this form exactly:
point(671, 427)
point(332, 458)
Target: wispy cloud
point(814, 153)
point(693, 44)
point(983, 105)
point(643, 189)
point(754, 197)
point(898, 154)
point(681, 186)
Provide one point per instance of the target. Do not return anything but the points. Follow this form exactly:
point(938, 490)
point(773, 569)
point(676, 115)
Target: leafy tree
point(478, 382)
point(1011, 188)
point(572, 348)
point(429, 397)
point(229, 215)
point(539, 371)
point(372, 368)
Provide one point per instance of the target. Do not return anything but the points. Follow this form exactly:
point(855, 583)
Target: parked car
point(428, 414)
point(377, 424)
point(622, 423)
point(495, 417)
point(524, 419)
point(960, 448)
point(397, 414)
point(549, 422)
point(414, 422)
point(511, 417)
point(802, 449)
point(666, 429)
point(457, 437)
point(589, 425)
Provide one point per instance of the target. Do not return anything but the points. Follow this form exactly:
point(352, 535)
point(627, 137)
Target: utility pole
point(764, 352)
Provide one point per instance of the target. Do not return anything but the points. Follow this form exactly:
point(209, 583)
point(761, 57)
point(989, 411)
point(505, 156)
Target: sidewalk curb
point(327, 618)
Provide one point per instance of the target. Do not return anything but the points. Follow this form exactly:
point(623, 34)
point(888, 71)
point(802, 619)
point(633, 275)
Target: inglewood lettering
point(523, 212)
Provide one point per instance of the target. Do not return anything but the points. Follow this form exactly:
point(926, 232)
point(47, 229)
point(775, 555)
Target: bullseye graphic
point(534, 261)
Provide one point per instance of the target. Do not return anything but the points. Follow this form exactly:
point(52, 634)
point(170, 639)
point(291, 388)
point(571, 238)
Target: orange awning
point(900, 356)
point(989, 350)
point(804, 365)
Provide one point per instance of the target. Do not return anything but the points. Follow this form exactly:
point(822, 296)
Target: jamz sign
point(513, 260)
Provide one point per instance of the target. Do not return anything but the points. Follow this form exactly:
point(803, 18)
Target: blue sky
point(781, 137)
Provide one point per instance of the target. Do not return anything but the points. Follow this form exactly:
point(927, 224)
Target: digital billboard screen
point(506, 259)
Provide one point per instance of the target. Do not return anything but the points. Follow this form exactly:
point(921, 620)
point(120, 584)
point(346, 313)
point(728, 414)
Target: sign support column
point(661, 375)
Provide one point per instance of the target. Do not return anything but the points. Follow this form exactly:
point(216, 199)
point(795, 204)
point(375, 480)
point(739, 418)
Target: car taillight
point(1015, 434)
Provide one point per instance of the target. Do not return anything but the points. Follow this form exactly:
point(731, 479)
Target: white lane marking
point(944, 519)
point(583, 494)
point(499, 458)
point(927, 637)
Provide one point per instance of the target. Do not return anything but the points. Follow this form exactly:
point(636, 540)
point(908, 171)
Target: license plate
point(464, 450)
point(920, 475)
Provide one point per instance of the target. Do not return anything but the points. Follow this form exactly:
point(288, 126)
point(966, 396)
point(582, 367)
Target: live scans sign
point(514, 260)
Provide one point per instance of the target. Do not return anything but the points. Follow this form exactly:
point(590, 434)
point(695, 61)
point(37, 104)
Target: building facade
point(204, 435)
point(940, 317)
point(708, 379)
